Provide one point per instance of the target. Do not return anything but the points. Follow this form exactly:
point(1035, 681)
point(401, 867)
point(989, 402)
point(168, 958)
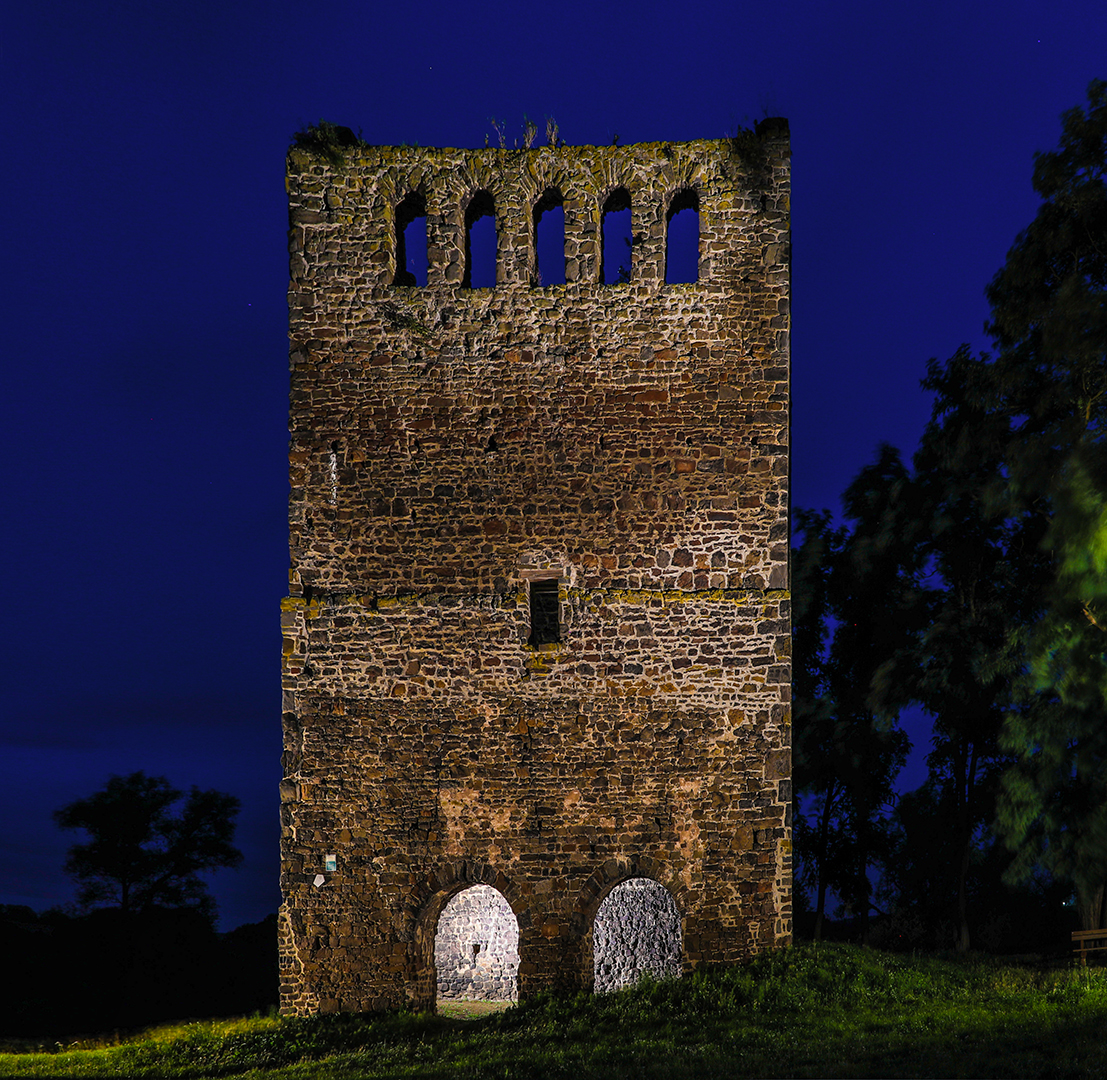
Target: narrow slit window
point(411, 241)
point(549, 239)
point(682, 239)
point(480, 242)
point(616, 259)
point(545, 621)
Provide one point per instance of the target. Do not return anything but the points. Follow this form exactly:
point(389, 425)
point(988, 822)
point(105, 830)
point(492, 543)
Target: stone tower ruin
point(537, 635)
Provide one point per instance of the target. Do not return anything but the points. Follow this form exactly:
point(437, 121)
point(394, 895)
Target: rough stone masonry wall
point(449, 446)
point(636, 933)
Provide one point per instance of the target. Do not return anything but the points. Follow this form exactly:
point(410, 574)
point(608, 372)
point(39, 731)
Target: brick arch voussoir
point(606, 190)
point(614, 872)
point(680, 188)
point(470, 183)
point(402, 189)
point(434, 890)
point(687, 168)
point(548, 174)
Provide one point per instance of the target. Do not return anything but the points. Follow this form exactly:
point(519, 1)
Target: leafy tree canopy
point(1048, 385)
point(143, 850)
point(975, 585)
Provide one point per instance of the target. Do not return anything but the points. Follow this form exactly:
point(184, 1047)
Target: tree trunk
point(965, 784)
point(820, 904)
point(1092, 902)
point(863, 887)
point(820, 862)
point(962, 898)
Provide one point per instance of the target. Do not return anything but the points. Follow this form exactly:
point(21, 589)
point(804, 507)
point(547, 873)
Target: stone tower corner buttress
point(538, 634)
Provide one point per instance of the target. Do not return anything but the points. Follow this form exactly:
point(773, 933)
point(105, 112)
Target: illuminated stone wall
point(476, 947)
point(636, 933)
point(450, 446)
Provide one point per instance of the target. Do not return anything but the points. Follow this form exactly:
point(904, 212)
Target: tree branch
point(1092, 619)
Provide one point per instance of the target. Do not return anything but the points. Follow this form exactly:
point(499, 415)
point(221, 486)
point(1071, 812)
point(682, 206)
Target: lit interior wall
point(637, 931)
point(476, 947)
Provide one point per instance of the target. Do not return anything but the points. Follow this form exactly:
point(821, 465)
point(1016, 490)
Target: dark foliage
point(974, 585)
point(328, 141)
point(845, 756)
point(1049, 384)
point(142, 854)
point(69, 975)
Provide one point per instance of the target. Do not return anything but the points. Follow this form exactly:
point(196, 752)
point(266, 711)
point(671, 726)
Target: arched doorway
point(636, 932)
point(476, 947)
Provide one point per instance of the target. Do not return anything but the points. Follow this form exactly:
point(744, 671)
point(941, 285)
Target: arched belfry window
point(549, 238)
point(682, 238)
point(615, 266)
point(480, 242)
point(411, 241)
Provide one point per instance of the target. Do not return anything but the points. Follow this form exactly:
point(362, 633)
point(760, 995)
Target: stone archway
point(429, 897)
point(636, 932)
point(476, 947)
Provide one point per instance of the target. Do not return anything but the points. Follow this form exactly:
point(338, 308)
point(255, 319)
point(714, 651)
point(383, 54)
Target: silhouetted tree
point(818, 789)
point(142, 855)
point(969, 580)
point(846, 757)
point(976, 586)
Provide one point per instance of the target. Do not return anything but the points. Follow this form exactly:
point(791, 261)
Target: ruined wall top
point(363, 189)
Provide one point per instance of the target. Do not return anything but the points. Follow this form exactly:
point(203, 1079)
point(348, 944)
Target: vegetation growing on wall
point(328, 141)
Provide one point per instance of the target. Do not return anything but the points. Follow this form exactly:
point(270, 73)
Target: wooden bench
point(1086, 941)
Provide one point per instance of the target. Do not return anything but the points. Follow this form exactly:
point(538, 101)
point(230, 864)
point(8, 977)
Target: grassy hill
point(828, 1010)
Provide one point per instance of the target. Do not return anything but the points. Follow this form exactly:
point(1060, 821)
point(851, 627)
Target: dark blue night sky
point(144, 373)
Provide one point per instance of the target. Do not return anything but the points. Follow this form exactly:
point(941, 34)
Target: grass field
point(828, 1010)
